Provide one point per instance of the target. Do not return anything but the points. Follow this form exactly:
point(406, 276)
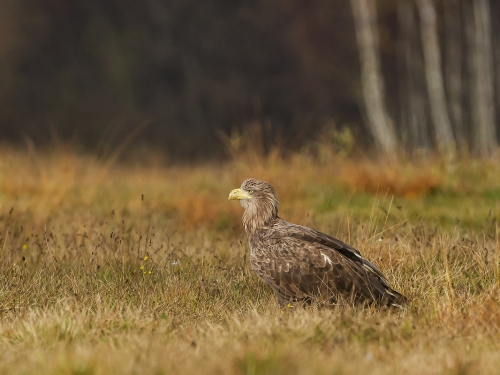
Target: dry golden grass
point(130, 269)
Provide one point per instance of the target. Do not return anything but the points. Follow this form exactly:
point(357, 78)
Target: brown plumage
point(300, 263)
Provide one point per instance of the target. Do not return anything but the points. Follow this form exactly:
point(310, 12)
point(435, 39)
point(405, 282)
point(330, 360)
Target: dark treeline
point(181, 72)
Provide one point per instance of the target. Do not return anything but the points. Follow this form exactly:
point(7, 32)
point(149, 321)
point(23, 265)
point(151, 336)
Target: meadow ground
point(142, 268)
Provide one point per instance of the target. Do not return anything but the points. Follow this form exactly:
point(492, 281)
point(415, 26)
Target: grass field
point(142, 268)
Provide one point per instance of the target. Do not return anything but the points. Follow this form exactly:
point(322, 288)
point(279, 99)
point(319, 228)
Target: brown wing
point(298, 263)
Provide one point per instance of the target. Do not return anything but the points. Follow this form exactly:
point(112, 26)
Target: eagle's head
point(259, 200)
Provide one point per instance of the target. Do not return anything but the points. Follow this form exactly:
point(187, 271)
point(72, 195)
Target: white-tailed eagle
point(300, 263)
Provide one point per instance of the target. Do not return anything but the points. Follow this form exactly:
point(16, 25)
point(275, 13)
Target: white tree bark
point(483, 107)
point(414, 124)
point(434, 77)
point(373, 90)
point(453, 68)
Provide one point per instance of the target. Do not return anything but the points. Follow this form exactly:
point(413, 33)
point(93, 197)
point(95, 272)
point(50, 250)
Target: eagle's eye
point(250, 192)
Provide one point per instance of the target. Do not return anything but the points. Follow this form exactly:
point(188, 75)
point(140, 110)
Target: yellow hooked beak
point(239, 194)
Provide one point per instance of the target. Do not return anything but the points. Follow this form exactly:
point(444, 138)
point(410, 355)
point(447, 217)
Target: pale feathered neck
point(259, 212)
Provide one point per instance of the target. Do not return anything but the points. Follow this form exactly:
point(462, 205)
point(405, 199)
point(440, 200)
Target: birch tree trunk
point(483, 107)
point(434, 77)
point(453, 67)
point(373, 91)
point(414, 124)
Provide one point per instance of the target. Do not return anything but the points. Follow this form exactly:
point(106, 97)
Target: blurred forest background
point(187, 76)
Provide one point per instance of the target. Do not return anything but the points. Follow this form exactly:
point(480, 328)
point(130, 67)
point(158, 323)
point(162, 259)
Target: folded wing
point(299, 262)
